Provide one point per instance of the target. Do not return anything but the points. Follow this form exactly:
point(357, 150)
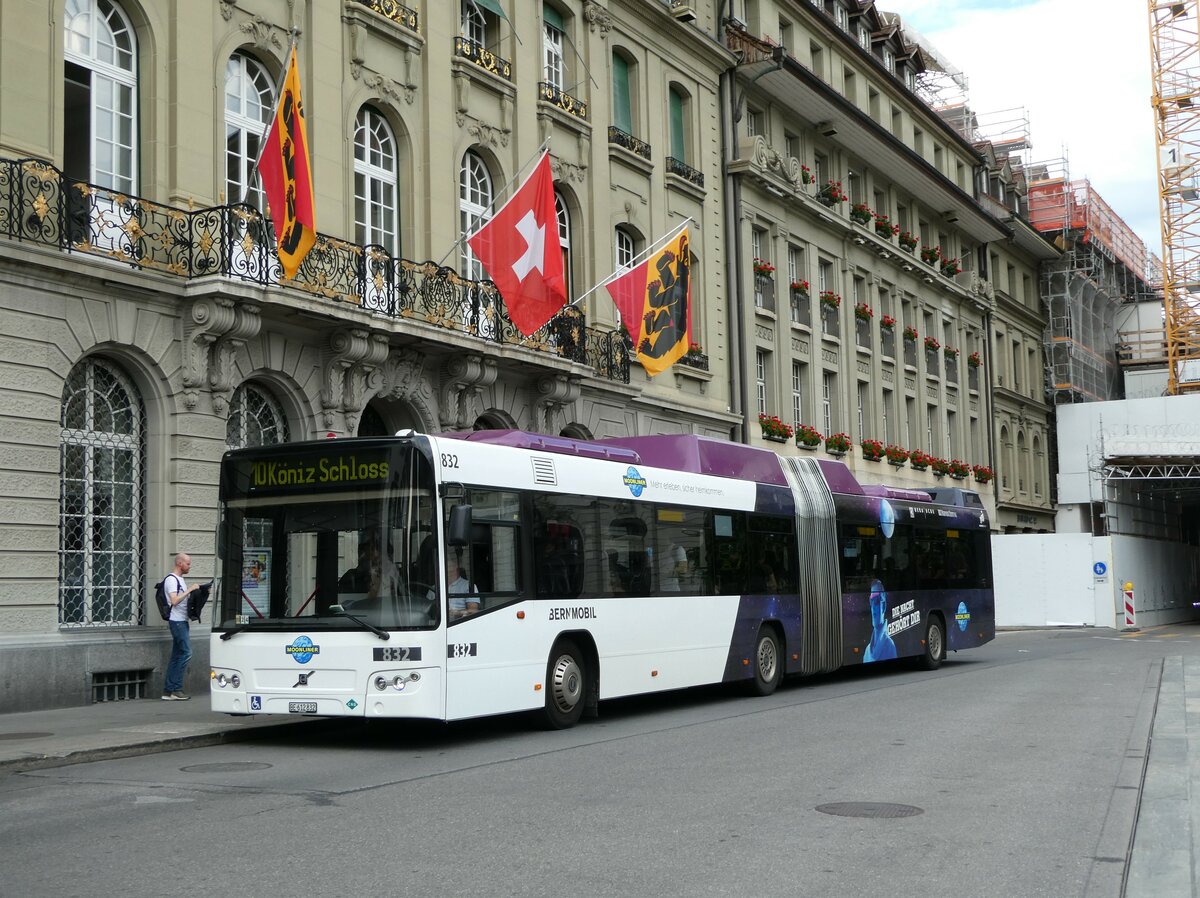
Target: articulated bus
point(460, 575)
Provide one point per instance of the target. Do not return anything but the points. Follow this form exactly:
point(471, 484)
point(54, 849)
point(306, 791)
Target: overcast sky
point(1080, 70)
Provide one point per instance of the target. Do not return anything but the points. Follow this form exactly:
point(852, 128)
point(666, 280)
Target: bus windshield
point(338, 537)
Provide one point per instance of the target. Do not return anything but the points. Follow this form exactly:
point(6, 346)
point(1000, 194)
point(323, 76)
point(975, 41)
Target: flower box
point(837, 444)
point(831, 194)
point(884, 227)
point(983, 474)
point(861, 213)
point(808, 437)
point(774, 429)
point(931, 254)
point(763, 268)
point(863, 312)
point(872, 450)
point(908, 240)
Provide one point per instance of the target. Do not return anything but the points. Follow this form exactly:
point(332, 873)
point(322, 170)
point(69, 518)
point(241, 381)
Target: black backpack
point(160, 599)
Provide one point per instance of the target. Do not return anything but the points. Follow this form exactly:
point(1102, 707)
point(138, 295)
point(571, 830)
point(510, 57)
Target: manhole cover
point(869, 809)
point(24, 735)
point(228, 767)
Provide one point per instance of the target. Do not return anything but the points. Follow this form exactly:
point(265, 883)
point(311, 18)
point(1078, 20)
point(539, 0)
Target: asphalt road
point(1012, 764)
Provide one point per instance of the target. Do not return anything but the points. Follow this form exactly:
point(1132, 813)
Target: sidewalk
point(38, 739)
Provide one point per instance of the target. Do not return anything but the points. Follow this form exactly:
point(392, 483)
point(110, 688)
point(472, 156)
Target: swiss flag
point(519, 248)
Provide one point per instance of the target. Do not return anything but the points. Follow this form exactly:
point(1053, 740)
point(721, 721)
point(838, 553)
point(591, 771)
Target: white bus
point(462, 575)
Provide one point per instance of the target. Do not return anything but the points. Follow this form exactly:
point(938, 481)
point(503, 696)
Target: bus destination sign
point(323, 470)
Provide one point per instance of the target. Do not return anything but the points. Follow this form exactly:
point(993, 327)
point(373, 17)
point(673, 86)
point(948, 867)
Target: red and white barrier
point(1130, 613)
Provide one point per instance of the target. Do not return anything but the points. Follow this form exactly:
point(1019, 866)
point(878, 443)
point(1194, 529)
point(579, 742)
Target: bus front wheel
point(935, 645)
point(566, 685)
point(767, 663)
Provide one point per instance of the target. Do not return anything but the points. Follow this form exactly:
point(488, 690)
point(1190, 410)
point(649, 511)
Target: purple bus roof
point(705, 455)
point(540, 442)
point(883, 491)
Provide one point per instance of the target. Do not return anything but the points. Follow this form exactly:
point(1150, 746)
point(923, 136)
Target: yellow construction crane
point(1175, 60)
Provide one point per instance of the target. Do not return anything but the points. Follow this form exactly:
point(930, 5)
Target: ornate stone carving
point(227, 7)
point(404, 378)
point(568, 171)
point(262, 33)
point(553, 393)
point(352, 360)
point(464, 378)
point(213, 331)
point(488, 135)
point(597, 17)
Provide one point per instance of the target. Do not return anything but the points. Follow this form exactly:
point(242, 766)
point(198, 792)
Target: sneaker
point(168, 696)
point(180, 696)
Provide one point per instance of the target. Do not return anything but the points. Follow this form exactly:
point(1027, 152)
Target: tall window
point(553, 35)
point(889, 397)
point(760, 379)
point(930, 427)
point(827, 402)
point(797, 393)
point(622, 97)
point(474, 204)
point(101, 475)
point(677, 103)
point(255, 419)
point(479, 21)
point(564, 238)
point(951, 440)
point(624, 250)
point(100, 95)
point(249, 104)
point(375, 217)
point(863, 409)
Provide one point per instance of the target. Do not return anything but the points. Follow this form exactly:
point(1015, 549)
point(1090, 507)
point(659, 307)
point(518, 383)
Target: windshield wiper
point(229, 634)
point(339, 611)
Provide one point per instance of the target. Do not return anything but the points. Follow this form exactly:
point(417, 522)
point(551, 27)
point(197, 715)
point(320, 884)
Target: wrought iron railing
point(685, 171)
point(563, 100)
point(397, 12)
point(40, 205)
point(483, 57)
point(628, 141)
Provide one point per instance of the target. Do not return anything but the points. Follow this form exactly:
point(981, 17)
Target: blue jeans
point(181, 654)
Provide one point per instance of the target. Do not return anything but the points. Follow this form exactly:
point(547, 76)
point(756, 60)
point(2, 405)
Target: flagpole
point(537, 157)
point(262, 138)
point(644, 254)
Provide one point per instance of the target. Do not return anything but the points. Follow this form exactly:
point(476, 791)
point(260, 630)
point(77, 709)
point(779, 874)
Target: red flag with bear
point(520, 249)
point(284, 168)
point(655, 303)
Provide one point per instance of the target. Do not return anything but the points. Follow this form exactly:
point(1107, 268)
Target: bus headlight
point(381, 682)
point(399, 681)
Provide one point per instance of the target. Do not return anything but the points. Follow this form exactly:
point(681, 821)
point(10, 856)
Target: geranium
point(983, 473)
point(910, 333)
point(695, 349)
point(897, 455)
point(838, 442)
point(884, 226)
point(832, 193)
point(930, 254)
point(950, 352)
point(763, 267)
point(806, 175)
point(932, 344)
point(974, 360)
point(919, 460)
point(773, 427)
point(959, 468)
point(808, 435)
point(863, 312)
point(908, 240)
point(950, 267)
point(939, 465)
point(801, 286)
point(831, 299)
point(871, 449)
point(887, 321)
point(862, 213)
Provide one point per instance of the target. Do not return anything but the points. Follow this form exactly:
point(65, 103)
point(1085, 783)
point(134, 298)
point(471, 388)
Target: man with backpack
point(177, 592)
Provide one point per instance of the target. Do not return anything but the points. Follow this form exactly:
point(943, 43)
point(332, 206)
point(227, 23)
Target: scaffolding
point(1175, 61)
point(1103, 266)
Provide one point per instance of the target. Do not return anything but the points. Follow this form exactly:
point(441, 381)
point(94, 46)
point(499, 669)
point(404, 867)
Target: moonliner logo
point(302, 649)
point(635, 481)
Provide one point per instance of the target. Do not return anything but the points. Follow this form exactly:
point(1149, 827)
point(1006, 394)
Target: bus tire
point(566, 685)
point(767, 662)
point(935, 645)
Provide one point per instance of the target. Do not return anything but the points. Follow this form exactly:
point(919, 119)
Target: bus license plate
point(302, 707)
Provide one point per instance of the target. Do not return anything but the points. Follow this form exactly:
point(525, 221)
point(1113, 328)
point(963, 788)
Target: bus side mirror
point(459, 533)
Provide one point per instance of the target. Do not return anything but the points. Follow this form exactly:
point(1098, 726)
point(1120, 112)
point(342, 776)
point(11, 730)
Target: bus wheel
point(935, 645)
point(566, 686)
point(768, 669)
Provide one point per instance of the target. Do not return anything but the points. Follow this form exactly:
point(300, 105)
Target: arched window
point(371, 424)
point(100, 528)
point(564, 239)
point(1036, 460)
point(100, 95)
point(249, 104)
point(1006, 464)
point(474, 206)
point(375, 177)
point(255, 419)
point(1022, 463)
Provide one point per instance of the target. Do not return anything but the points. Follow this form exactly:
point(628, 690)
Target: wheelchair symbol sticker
point(256, 703)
